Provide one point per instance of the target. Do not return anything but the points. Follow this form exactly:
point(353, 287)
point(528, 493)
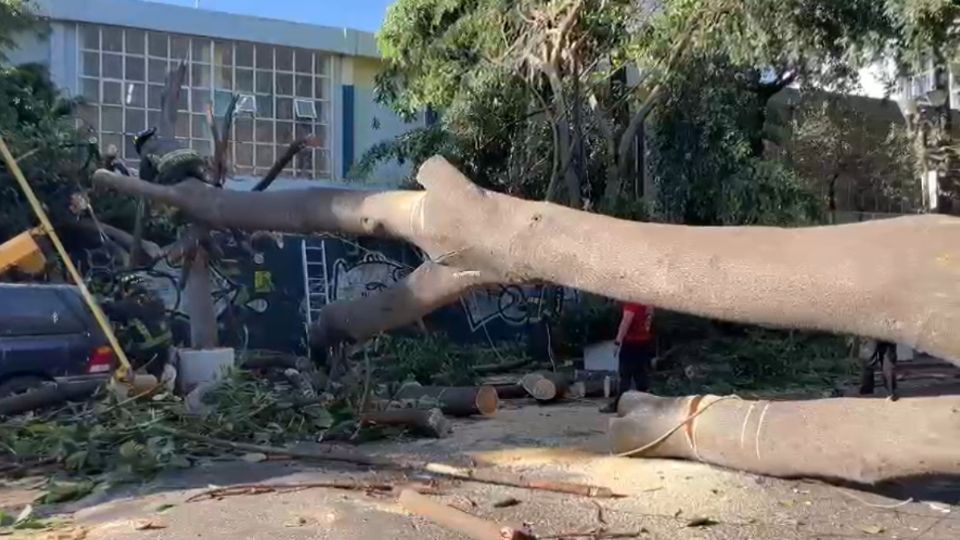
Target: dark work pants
point(635, 361)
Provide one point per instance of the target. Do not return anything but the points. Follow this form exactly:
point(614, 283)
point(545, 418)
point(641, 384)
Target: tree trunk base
point(858, 440)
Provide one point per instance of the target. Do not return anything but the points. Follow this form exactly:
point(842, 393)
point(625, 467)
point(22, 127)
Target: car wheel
point(20, 385)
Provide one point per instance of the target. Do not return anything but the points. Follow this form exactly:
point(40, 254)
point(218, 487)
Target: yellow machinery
point(24, 253)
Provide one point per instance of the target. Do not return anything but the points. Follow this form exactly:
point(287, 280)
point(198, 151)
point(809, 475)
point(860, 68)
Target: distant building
point(293, 80)
point(919, 85)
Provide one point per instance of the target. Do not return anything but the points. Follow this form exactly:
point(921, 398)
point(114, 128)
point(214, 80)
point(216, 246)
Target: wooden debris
point(511, 391)
point(148, 525)
point(466, 524)
point(454, 400)
point(506, 503)
point(429, 423)
point(325, 455)
point(259, 489)
point(484, 477)
point(49, 395)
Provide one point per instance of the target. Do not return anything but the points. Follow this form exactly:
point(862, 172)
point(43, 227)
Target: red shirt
point(639, 331)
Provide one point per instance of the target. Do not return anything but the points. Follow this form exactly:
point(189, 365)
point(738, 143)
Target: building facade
point(292, 80)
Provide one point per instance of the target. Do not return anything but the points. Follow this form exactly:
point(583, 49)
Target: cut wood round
point(545, 386)
point(426, 422)
point(454, 400)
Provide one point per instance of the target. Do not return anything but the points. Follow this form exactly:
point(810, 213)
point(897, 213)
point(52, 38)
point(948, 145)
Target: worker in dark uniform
point(140, 322)
point(884, 357)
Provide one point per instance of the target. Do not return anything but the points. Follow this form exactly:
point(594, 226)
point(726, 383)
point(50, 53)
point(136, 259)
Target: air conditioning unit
point(305, 108)
point(247, 104)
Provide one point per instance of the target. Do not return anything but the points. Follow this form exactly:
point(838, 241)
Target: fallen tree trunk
point(857, 440)
point(426, 422)
point(832, 275)
point(511, 391)
point(454, 400)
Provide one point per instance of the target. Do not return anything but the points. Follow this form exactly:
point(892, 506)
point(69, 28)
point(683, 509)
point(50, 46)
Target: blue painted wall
point(349, 111)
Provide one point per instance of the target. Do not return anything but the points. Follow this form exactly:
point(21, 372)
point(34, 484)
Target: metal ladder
point(315, 282)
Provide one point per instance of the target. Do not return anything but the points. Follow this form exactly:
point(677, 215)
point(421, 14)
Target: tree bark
point(857, 440)
point(428, 288)
point(511, 391)
point(199, 302)
point(893, 280)
point(457, 400)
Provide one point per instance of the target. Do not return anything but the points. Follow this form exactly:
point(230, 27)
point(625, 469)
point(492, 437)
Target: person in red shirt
point(635, 349)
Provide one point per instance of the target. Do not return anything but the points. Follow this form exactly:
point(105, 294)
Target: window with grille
point(284, 94)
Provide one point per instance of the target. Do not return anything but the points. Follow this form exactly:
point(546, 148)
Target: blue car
point(47, 334)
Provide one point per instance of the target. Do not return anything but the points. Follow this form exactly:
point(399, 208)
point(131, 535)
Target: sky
point(356, 14)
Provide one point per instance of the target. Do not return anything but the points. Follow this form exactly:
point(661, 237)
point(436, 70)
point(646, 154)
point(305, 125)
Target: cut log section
point(454, 400)
point(545, 386)
point(429, 423)
point(857, 440)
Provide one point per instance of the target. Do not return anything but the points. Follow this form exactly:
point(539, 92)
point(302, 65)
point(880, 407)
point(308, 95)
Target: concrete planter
point(198, 366)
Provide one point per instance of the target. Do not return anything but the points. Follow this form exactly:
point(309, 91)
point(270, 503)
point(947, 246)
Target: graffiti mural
point(359, 279)
point(267, 287)
point(256, 289)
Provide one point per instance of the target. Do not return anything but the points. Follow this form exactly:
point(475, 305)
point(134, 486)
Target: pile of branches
point(114, 439)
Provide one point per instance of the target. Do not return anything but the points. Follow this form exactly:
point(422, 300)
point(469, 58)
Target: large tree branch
point(895, 280)
point(295, 148)
point(391, 213)
point(428, 288)
point(122, 238)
